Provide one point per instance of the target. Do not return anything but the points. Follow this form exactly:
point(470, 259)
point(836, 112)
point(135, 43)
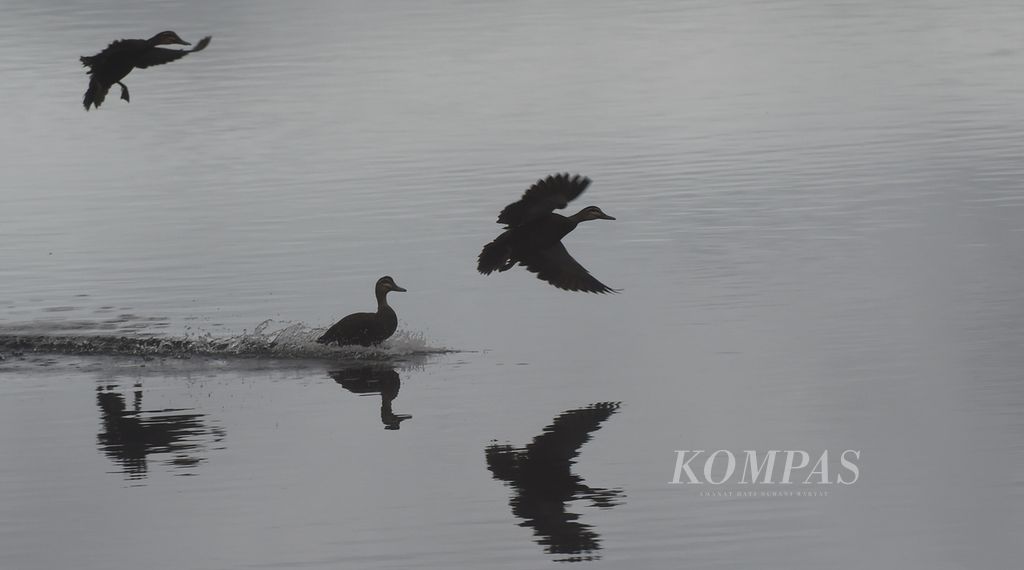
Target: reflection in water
point(543, 481)
point(129, 436)
point(365, 380)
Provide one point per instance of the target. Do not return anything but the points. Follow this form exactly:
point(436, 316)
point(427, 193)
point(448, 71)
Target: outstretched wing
point(115, 49)
point(551, 193)
point(160, 56)
point(558, 268)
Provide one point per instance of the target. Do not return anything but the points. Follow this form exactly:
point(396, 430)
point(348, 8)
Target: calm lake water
point(818, 241)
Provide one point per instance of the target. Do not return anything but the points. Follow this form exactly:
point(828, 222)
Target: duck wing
point(558, 268)
point(118, 48)
point(551, 193)
point(349, 330)
point(160, 56)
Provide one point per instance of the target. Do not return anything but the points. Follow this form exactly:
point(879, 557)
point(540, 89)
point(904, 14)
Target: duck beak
point(395, 287)
point(605, 217)
point(183, 42)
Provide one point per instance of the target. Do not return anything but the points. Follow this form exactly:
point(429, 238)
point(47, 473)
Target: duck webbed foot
point(393, 421)
point(124, 91)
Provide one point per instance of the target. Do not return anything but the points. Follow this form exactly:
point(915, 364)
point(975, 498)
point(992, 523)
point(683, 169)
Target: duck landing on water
point(111, 65)
point(533, 235)
point(367, 329)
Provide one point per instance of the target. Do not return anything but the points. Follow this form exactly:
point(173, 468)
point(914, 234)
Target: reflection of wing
point(160, 56)
point(562, 440)
point(552, 193)
point(558, 268)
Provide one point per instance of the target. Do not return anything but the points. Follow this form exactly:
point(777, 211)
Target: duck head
point(386, 284)
point(167, 38)
point(591, 213)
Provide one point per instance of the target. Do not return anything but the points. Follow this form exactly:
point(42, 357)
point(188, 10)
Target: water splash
point(269, 339)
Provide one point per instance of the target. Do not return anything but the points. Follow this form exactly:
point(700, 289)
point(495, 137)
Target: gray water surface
point(819, 219)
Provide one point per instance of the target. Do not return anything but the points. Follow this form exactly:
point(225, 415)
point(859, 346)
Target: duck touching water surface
point(367, 329)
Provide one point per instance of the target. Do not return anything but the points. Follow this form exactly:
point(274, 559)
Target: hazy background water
point(819, 218)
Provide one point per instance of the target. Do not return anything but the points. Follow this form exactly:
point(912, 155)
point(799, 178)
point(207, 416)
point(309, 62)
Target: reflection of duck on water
point(374, 380)
point(541, 474)
point(130, 436)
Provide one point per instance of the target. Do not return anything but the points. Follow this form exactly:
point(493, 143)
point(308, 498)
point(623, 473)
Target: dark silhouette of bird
point(533, 235)
point(367, 329)
point(541, 474)
point(111, 65)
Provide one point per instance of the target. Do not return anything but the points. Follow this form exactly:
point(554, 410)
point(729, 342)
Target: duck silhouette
point(111, 65)
point(367, 329)
point(533, 235)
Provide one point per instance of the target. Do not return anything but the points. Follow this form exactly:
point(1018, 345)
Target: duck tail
point(495, 256)
point(95, 94)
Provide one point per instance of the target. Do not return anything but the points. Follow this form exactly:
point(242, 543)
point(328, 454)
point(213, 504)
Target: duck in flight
point(533, 235)
point(111, 65)
point(367, 329)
